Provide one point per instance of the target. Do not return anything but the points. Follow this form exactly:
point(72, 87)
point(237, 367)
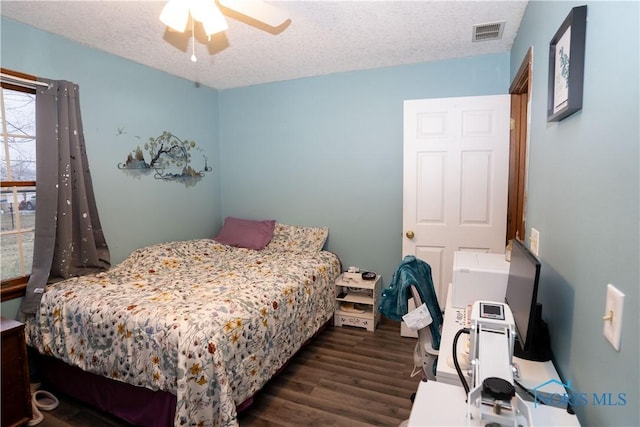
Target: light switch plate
point(534, 241)
point(614, 308)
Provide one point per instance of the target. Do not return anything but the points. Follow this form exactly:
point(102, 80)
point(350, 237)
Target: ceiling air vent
point(489, 31)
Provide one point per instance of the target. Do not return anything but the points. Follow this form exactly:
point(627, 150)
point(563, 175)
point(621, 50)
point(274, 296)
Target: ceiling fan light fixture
point(175, 15)
point(209, 15)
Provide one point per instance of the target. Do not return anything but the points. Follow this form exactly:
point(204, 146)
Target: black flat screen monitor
point(521, 296)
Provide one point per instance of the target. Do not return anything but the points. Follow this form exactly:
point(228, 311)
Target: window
point(18, 177)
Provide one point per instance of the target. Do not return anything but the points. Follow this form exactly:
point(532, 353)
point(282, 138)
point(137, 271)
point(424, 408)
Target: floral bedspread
point(206, 322)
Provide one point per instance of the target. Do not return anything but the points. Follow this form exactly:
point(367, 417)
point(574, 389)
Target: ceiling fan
point(176, 13)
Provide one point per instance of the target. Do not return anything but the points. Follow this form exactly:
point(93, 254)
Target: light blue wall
point(328, 150)
point(583, 197)
point(116, 93)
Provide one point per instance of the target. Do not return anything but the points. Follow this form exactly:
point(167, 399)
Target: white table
point(441, 404)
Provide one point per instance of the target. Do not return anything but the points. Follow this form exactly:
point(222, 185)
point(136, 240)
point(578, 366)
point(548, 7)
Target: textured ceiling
point(323, 37)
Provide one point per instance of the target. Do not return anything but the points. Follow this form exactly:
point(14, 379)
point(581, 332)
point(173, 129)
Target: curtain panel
point(68, 239)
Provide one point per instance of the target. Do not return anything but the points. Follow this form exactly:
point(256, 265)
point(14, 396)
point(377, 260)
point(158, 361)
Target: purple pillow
point(246, 233)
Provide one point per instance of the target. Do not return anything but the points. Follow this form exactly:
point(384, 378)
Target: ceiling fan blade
point(258, 10)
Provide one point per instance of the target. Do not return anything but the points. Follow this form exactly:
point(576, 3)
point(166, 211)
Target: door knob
point(409, 234)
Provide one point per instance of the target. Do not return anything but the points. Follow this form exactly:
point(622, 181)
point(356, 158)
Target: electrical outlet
point(534, 241)
point(613, 316)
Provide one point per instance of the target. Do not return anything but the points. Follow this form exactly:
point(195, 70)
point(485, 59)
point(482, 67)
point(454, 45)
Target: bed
point(203, 322)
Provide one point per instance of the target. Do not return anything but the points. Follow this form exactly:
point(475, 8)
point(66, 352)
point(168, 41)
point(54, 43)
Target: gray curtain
point(68, 236)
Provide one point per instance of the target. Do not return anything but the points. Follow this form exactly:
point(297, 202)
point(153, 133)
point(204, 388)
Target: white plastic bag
point(418, 318)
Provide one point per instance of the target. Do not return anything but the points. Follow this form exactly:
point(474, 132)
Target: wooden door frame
point(520, 91)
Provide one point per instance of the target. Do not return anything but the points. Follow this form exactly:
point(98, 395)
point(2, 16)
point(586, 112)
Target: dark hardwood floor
point(345, 377)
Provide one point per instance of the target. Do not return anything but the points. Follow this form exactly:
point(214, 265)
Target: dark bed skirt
point(138, 406)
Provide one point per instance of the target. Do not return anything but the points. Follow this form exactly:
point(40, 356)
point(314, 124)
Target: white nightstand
point(365, 294)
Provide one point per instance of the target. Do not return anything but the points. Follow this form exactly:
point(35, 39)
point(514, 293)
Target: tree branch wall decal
point(167, 153)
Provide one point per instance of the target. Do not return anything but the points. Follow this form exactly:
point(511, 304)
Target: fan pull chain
point(193, 43)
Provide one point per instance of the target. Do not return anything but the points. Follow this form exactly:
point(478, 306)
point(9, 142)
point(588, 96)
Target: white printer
point(478, 276)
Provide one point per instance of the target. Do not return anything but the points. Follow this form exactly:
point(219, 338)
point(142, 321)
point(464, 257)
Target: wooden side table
point(365, 293)
point(16, 390)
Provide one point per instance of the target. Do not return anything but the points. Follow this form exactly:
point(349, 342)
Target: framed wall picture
point(566, 66)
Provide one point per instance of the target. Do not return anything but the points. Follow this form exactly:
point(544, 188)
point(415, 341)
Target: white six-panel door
point(456, 167)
